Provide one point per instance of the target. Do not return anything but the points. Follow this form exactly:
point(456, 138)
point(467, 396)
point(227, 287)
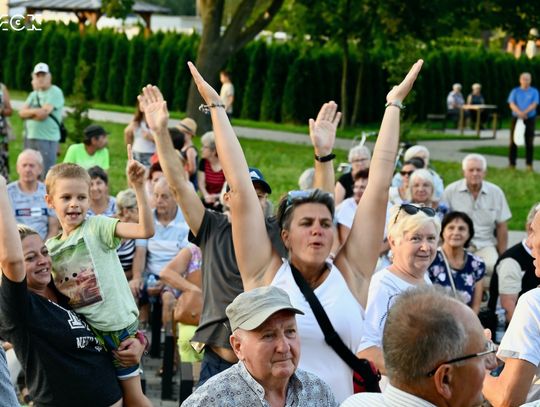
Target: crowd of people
point(376, 282)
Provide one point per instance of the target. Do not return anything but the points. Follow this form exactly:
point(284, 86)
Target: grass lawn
point(502, 151)
point(283, 163)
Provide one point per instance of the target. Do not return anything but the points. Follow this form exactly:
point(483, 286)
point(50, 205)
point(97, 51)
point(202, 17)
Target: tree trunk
point(215, 48)
point(358, 94)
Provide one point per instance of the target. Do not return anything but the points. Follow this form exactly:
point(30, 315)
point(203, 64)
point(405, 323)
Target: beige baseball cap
point(251, 308)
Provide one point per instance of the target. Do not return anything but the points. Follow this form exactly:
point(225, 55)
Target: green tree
point(78, 116)
point(117, 8)
point(117, 70)
point(103, 59)
point(217, 45)
point(132, 85)
point(68, 69)
point(251, 106)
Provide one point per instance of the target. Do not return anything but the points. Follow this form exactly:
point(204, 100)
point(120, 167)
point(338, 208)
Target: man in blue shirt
point(523, 101)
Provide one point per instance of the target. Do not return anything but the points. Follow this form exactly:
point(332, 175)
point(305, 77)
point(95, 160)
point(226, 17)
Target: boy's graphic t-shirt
point(86, 269)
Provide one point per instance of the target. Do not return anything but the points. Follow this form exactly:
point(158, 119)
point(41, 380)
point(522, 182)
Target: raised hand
point(323, 130)
point(207, 92)
point(153, 105)
point(135, 171)
point(400, 92)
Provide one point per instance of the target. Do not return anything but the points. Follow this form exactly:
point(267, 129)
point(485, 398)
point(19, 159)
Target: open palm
point(323, 130)
point(153, 105)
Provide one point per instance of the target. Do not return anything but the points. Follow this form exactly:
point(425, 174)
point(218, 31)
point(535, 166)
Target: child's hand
point(153, 105)
point(135, 171)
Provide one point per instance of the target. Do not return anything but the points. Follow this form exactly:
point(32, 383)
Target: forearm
point(502, 237)
point(324, 174)
point(146, 221)
point(11, 255)
point(128, 135)
point(27, 113)
point(477, 296)
point(175, 280)
point(139, 262)
point(514, 108)
point(508, 303)
point(530, 108)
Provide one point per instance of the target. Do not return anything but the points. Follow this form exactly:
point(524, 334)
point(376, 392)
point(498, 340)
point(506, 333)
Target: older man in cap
point(266, 342)
point(92, 151)
point(42, 111)
point(435, 353)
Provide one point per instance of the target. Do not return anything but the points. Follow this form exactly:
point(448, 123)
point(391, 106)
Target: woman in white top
point(140, 137)
point(306, 220)
point(413, 234)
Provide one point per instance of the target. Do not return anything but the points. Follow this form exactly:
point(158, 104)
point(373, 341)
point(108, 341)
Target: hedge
point(273, 82)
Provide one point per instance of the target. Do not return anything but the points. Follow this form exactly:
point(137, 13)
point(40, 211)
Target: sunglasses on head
point(413, 210)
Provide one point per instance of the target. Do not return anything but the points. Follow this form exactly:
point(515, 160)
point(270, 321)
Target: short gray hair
point(359, 151)
point(414, 151)
point(401, 223)
point(37, 155)
point(532, 213)
point(474, 157)
point(421, 331)
point(125, 199)
point(209, 139)
point(424, 174)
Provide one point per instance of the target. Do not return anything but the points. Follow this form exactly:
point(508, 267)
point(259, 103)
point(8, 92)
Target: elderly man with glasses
point(435, 353)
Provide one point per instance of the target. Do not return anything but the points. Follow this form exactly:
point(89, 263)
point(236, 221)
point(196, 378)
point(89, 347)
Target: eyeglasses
point(490, 348)
point(413, 210)
point(406, 173)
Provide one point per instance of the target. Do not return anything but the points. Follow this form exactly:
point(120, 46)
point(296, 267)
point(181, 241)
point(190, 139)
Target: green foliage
point(117, 8)
point(132, 85)
point(24, 63)
point(103, 59)
point(78, 117)
point(168, 59)
point(279, 58)
point(187, 51)
point(57, 55)
point(255, 82)
point(9, 66)
point(68, 69)
point(150, 70)
point(88, 56)
point(117, 70)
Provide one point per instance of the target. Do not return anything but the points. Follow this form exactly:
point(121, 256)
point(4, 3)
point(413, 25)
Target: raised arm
point(145, 227)
point(322, 132)
point(171, 273)
point(256, 260)
point(157, 117)
point(358, 255)
point(11, 254)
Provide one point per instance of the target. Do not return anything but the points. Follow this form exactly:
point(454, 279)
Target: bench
point(437, 118)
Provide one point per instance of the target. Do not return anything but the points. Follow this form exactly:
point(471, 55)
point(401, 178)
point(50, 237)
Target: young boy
point(86, 267)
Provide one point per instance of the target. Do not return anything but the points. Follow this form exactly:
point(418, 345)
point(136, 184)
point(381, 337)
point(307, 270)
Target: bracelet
point(395, 103)
point(206, 108)
point(325, 158)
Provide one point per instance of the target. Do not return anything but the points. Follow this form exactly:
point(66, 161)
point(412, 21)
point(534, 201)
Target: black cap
point(94, 130)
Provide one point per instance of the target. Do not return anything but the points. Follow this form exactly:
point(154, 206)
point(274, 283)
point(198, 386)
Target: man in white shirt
point(227, 92)
point(486, 205)
point(426, 334)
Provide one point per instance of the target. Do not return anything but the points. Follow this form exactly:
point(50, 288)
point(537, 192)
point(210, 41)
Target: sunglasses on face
point(413, 210)
point(406, 173)
point(490, 348)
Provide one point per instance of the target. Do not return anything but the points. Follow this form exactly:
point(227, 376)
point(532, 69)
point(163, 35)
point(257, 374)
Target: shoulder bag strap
point(449, 272)
point(50, 114)
point(332, 338)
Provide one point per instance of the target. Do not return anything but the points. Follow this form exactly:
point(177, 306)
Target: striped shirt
point(391, 397)
point(214, 179)
point(126, 253)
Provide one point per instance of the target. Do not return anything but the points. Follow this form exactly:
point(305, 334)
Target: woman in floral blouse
point(467, 270)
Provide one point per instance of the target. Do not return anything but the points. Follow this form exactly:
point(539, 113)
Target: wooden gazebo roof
point(86, 10)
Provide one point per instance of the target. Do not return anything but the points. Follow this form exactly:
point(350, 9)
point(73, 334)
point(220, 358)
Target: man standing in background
point(227, 92)
point(523, 101)
point(42, 111)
